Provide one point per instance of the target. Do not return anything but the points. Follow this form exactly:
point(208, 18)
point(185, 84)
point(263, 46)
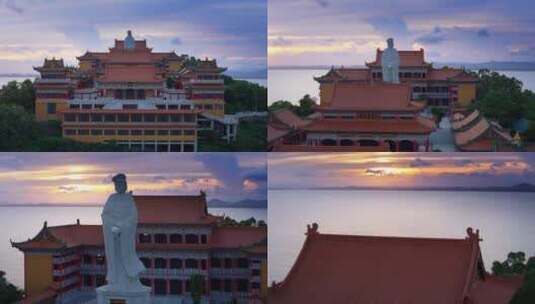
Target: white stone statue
point(119, 224)
point(390, 63)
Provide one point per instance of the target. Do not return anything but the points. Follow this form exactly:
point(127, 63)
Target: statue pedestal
point(107, 296)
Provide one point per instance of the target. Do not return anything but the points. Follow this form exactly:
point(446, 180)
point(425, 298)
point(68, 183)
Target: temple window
point(149, 132)
point(175, 263)
point(109, 118)
point(51, 108)
point(160, 238)
point(175, 287)
point(130, 94)
point(74, 106)
point(140, 94)
point(255, 272)
point(99, 106)
point(189, 118)
point(172, 107)
point(160, 106)
point(100, 280)
point(192, 239)
point(346, 142)
point(136, 132)
point(83, 117)
point(146, 262)
point(203, 264)
point(228, 285)
point(189, 132)
point(160, 263)
point(243, 263)
point(96, 132)
point(192, 264)
point(255, 285)
point(118, 94)
point(123, 117)
point(163, 132)
point(176, 117)
point(175, 238)
point(70, 132)
point(149, 118)
point(188, 286)
point(135, 117)
point(215, 263)
point(96, 117)
point(87, 106)
point(100, 260)
point(243, 285)
point(189, 148)
point(185, 107)
point(146, 282)
point(228, 263)
point(88, 280)
point(83, 132)
point(176, 132)
point(368, 143)
point(163, 118)
point(144, 237)
point(204, 237)
point(215, 284)
point(160, 287)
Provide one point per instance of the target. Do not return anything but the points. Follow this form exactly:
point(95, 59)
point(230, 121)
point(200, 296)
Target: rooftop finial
point(312, 229)
point(129, 42)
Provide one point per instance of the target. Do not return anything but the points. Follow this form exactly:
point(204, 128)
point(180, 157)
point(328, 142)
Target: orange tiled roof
point(465, 120)
point(376, 97)
point(407, 58)
point(275, 133)
point(412, 126)
point(496, 290)
point(367, 269)
point(179, 209)
point(450, 74)
point(289, 118)
point(347, 74)
point(234, 237)
point(124, 73)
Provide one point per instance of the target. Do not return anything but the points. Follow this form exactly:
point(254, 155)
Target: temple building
point(371, 269)
point(176, 238)
point(381, 107)
point(144, 100)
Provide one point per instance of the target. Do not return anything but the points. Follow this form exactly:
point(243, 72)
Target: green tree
point(306, 105)
point(515, 265)
point(9, 293)
point(282, 104)
point(170, 82)
point(17, 128)
point(19, 93)
point(241, 96)
point(197, 287)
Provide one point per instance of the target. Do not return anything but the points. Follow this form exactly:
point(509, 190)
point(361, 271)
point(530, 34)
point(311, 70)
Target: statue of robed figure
point(390, 63)
point(119, 224)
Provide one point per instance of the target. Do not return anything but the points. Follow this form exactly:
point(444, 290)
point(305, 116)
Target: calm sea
point(21, 223)
point(293, 84)
point(506, 220)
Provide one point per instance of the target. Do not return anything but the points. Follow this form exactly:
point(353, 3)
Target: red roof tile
point(129, 73)
point(234, 237)
point(376, 97)
point(179, 209)
point(288, 118)
point(412, 126)
point(496, 290)
point(450, 74)
point(407, 58)
point(382, 270)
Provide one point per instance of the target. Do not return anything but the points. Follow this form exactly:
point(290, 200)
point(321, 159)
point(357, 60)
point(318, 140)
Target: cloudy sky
point(85, 178)
point(310, 170)
point(232, 31)
point(335, 32)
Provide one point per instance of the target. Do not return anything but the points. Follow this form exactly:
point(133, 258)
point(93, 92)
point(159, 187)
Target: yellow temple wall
point(41, 111)
point(117, 138)
point(264, 279)
point(213, 102)
point(85, 65)
point(466, 93)
point(37, 273)
point(326, 93)
point(174, 66)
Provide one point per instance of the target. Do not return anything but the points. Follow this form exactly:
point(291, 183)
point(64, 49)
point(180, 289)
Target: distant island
point(523, 187)
point(490, 65)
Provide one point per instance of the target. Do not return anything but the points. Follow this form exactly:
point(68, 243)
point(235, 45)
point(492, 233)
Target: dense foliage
point(9, 293)
point(503, 99)
point(515, 265)
point(304, 108)
point(19, 93)
point(251, 138)
point(244, 96)
point(250, 222)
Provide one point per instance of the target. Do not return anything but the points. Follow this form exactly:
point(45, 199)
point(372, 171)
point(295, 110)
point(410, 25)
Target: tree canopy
point(305, 106)
point(9, 293)
point(19, 93)
point(516, 265)
point(243, 96)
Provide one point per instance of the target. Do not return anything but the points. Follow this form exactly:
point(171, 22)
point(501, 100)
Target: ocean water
point(21, 223)
point(293, 84)
point(506, 220)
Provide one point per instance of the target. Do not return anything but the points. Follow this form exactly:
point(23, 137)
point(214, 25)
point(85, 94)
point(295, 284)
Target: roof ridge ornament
point(312, 229)
point(129, 41)
point(474, 236)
